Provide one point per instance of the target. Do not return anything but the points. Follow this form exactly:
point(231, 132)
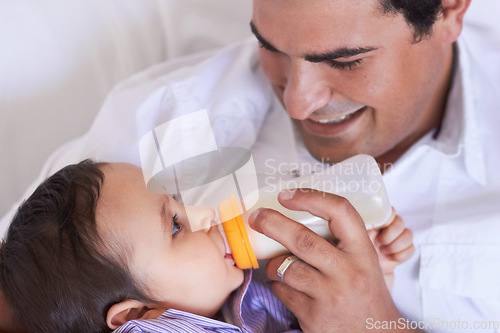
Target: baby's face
point(186, 270)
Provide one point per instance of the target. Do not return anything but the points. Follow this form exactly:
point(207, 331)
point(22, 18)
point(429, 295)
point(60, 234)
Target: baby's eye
point(176, 227)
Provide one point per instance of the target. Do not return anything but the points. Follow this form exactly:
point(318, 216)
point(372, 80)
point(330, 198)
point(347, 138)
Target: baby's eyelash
point(176, 227)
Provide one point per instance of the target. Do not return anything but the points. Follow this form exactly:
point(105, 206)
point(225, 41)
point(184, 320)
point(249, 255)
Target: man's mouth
point(333, 126)
point(337, 119)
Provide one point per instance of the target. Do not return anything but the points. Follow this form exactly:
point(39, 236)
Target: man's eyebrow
point(343, 52)
point(261, 39)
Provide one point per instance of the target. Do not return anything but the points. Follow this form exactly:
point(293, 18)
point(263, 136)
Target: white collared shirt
point(446, 189)
point(448, 192)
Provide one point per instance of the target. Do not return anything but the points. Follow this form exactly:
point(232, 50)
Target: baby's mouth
point(229, 256)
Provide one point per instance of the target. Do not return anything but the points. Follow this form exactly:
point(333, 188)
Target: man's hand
point(334, 288)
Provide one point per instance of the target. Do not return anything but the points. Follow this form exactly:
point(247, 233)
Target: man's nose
point(306, 89)
point(200, 217)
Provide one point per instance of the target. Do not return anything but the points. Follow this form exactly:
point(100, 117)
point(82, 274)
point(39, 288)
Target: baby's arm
point(394, 245)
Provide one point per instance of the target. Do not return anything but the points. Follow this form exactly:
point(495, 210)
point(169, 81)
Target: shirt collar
point(459, 133)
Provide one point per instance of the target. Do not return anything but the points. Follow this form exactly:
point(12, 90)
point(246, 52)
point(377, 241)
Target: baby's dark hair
point(52, 273)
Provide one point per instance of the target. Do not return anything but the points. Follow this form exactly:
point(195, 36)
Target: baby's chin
point(235, 279)
point(239, 276)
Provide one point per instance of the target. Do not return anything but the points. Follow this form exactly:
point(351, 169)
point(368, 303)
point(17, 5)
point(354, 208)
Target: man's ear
point(128, 310)
point(453, 12)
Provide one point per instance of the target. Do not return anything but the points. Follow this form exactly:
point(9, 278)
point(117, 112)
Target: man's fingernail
point(287, 194)
point(253, 216)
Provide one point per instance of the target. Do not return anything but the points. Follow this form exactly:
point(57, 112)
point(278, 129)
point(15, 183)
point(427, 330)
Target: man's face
point(352, 77)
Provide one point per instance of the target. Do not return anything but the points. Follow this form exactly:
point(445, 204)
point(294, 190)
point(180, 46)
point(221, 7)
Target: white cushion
point(60, 58)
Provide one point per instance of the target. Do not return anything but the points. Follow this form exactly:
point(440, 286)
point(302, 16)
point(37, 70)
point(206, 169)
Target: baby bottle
point(358, 179)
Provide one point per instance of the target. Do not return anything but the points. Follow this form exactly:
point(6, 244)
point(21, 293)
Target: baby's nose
point(200, 217)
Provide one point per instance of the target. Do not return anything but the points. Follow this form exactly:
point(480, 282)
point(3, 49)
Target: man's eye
point(176, 227)
point(345, 65)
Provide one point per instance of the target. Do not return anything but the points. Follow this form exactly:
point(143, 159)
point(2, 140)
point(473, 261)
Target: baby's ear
point(128, 310)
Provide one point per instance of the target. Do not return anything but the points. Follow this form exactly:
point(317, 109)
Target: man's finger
point(292, 299)
point(345, 222)
point(298, 239)
point(299, 275)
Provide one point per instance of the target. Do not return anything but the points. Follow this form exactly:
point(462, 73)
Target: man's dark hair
point(420, 14)
point(52, 275)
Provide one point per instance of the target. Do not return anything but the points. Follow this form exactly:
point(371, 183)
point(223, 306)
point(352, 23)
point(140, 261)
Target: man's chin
point(330, 154)
point(330, 150)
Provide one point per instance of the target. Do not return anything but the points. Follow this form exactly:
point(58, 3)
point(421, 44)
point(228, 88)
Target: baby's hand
point(394, 245)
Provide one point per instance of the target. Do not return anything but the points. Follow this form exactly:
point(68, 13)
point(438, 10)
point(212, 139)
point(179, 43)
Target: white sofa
point(59, 59)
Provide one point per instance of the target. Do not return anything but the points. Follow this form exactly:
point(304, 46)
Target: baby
point(92, 250)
